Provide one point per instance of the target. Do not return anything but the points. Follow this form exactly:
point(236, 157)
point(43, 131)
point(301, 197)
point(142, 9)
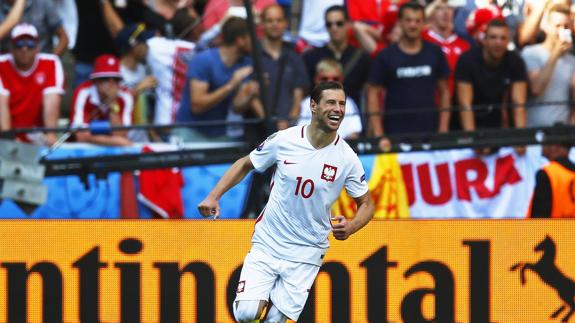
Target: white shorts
point(285, 283)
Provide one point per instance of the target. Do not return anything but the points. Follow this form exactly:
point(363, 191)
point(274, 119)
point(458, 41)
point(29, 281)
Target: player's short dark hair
point(317, 90)
point(336, 8)
point(234, 28)
point(415, 6)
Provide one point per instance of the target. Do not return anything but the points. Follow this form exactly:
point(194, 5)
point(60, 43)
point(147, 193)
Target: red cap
point(479, 19)
point(106, 66)
point(24, 30)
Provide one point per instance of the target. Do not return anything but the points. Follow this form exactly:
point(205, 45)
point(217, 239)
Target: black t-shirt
point(354, 81)
point(411, 83)
point(489, 83)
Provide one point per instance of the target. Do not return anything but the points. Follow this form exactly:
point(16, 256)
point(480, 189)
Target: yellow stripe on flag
point(387, 189)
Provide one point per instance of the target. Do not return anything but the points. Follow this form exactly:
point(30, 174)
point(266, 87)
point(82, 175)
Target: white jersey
point(168, 64)
point(295, 223)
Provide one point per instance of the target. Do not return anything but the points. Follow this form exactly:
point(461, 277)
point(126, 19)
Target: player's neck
point(319, 138)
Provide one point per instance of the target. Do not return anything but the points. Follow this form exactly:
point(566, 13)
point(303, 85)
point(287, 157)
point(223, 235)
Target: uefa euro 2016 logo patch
point(328, 173)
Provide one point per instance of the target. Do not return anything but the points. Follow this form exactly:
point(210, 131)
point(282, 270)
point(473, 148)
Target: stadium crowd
point(166, 61)
point(407, 66)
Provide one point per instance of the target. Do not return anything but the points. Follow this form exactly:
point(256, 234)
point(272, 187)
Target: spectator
point(410, 72)
point(11, 19)
point(491, 76)
point(166, 58)
point(134, 49)
point(43, 15)
point(330, 70)
point(132, 41)
point(535, 11)
point(355, 62)
point(553, 193)
point(92, 39)
point(312, 31)
point(100, 103)
point(440, 32)
point(551, 69)
point(31, 86)
point(285, 71)
point(217, 88)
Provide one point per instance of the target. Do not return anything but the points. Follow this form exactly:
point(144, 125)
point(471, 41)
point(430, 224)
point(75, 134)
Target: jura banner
point(187, 271)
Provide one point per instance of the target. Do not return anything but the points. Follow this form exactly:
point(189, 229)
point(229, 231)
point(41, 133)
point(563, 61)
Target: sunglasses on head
point(338, 23)
point(29, 43)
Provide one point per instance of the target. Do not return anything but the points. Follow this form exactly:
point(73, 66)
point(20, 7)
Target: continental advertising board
point(186, 271)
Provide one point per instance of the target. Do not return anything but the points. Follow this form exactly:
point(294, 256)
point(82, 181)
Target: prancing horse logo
point(550, 275)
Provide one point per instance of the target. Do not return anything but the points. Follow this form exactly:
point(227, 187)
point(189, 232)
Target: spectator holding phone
point(551, 71)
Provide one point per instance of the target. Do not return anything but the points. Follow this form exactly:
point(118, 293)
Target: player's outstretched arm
point(210, 206)
point(365, 210)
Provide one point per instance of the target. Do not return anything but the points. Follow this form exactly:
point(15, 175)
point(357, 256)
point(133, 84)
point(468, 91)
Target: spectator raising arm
point(63, 41)
point(12, 18)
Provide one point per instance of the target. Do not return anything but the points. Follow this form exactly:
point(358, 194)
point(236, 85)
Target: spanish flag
point(387, 190)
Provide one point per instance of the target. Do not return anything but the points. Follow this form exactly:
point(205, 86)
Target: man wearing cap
point(31, 86)
point(102, 103)
point(44, 16)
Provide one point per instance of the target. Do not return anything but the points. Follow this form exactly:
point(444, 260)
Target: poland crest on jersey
point(328, 173)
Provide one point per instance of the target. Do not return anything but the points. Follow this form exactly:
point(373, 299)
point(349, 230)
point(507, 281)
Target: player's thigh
point(258, 276)
point(292, 289)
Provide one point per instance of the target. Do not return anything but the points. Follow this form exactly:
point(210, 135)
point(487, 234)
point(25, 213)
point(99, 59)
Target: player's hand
point(340, 228)
point(209, 207)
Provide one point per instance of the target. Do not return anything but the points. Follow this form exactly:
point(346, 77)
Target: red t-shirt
point(87, 106)
point(452, 46)
point(26, 89)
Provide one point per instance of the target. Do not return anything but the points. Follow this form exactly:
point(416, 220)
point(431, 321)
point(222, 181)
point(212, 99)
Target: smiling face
point(329, 112)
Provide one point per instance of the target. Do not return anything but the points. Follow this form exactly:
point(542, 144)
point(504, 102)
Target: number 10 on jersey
point(306, 187)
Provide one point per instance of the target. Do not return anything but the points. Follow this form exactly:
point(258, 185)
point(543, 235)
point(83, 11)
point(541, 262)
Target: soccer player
point(290, 239)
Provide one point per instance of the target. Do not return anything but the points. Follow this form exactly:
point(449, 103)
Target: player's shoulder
point(345, 149)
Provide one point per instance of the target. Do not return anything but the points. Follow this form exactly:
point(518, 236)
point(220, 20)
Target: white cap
point(24, 29)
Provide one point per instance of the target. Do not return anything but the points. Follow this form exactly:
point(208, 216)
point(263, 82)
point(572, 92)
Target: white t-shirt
point(351, 122)
point(168, 64)
point(295, 223)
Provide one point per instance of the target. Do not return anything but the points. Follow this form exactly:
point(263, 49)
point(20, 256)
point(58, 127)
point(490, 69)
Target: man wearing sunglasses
point(355, 62)
point(31, 86)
